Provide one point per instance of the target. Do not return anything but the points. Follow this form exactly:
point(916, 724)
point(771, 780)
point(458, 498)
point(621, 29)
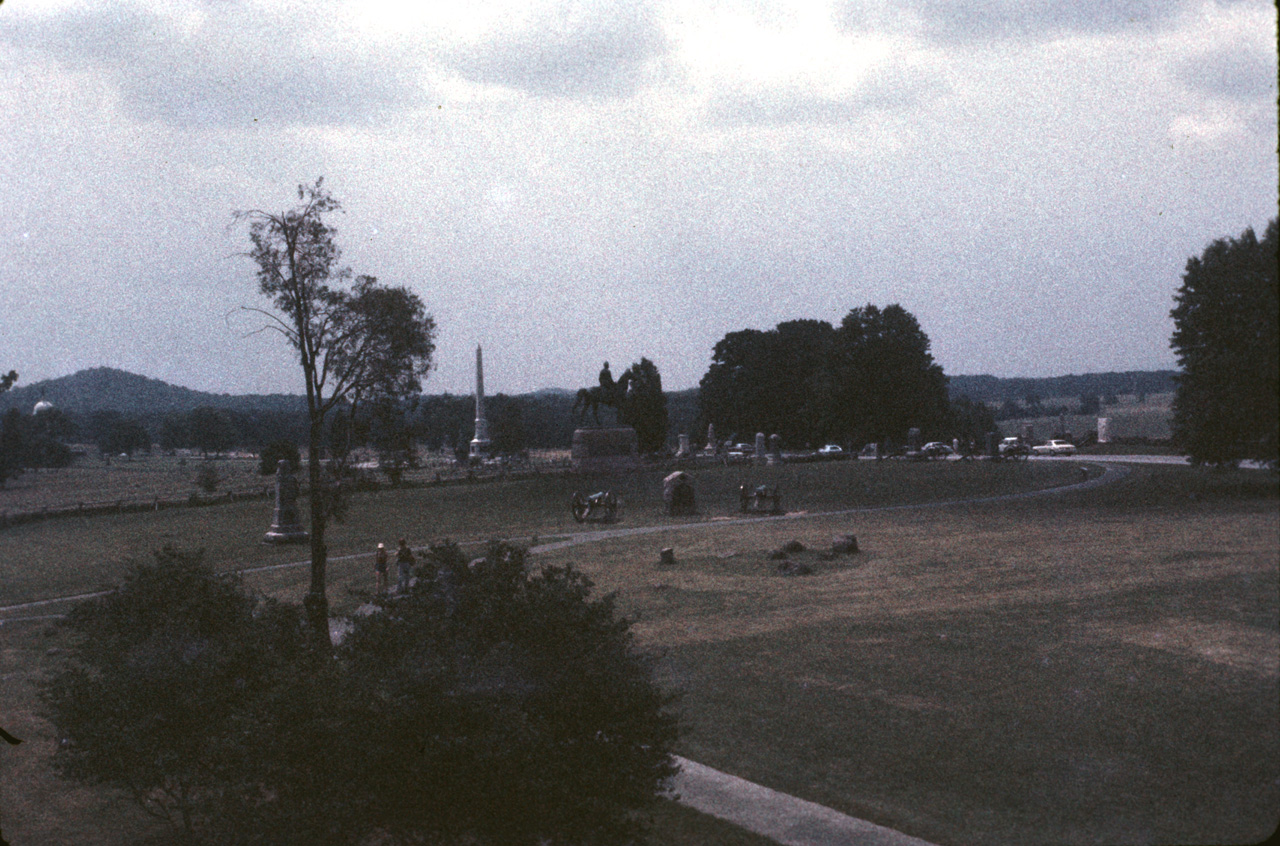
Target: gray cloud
point(606, 51)
point(1233, 74)
point(237, 67)
point(967, 21)
point(890, 91)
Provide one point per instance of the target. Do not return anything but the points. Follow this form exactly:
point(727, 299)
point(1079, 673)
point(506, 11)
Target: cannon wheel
point(580, 507)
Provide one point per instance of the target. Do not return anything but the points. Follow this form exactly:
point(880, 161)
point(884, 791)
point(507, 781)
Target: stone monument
point(603, 449)
point(711, 439)
point(1104, 430)
point(761, 453)
point(479, 449)
point(684, 451)
point(286, 528)
point(775, 449)
point(677, 493)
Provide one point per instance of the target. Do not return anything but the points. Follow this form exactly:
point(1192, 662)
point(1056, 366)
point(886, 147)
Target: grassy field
point(75, 554)
point(1101, 668)
point(1150, 418)
point(1080, 668)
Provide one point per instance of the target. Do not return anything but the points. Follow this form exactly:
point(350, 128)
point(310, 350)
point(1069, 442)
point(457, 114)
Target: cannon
point(601, 507)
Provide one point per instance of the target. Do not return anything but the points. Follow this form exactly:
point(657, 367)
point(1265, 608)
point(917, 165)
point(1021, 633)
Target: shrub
point(207, 478)
point(502, 707)
point(490, 706)
point(163, 690)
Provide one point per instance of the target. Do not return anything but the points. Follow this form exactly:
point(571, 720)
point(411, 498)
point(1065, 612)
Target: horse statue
point(608, 393)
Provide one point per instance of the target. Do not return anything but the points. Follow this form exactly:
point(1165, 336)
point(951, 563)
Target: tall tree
point(10, 434)
point(355, 340)
point(645, 406)
point(870, 379)
point(1226, 339)
point(211, 430)
point(889, 382)
point(506, 425)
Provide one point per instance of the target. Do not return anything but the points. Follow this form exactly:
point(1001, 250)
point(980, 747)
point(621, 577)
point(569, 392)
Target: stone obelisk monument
point(480, 443)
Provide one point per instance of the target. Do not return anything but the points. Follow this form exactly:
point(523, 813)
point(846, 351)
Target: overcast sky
point(571, 182)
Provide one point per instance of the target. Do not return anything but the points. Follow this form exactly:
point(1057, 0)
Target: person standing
point(380, 568)
point(404, 564)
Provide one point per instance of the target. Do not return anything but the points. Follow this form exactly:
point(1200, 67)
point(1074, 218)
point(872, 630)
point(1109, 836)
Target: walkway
point(775, 815)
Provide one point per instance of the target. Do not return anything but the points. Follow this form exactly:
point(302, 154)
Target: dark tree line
point(1228, 345)
point(33, 440)
point(870, 379)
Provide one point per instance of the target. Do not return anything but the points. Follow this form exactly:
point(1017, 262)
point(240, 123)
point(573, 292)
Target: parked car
point(1018, 450)
point(1055, 447)
point(1008, 443)
point(831, 449)
point(936, 449)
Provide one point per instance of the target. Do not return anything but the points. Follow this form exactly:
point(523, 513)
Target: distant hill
point(547, 412)
point(108, 389)
point(994, 390)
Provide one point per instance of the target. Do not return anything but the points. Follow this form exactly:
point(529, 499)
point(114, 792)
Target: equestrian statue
point(608, 393)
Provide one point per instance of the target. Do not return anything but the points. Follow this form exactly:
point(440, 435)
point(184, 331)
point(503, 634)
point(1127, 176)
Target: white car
point(831, 449)
point(1055, 447)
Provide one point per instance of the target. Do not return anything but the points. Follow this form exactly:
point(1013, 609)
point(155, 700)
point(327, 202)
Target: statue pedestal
point(286, 533)
point(612, 450)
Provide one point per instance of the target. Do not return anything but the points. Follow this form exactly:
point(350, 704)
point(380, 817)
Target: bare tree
point(356, 339)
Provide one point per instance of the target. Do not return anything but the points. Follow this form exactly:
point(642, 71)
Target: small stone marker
point(677, 493)
point(667, 557)
point(913, 438)
point(845, 545)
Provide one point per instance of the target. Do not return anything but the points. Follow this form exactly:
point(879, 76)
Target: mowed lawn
point(75, 554)
point(1097, 668)
point(1077, 668)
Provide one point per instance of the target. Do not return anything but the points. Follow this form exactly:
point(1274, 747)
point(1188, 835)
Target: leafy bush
point(207, 478)
point(488, 706)
point(501, 707)
point(163, 689)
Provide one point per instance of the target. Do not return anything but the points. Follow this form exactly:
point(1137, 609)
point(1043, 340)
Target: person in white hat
point(380, 568)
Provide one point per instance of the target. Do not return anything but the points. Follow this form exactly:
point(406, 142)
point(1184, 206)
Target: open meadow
point(1078, 667)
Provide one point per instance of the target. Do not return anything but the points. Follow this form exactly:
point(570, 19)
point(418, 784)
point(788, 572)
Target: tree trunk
point(316, 602)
